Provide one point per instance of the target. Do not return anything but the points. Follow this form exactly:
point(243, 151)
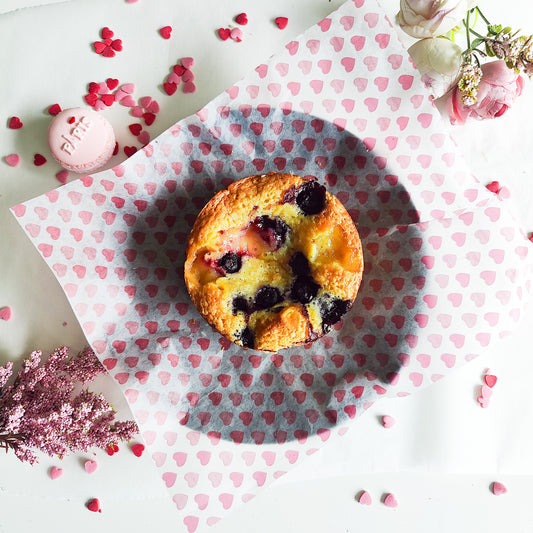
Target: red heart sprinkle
point(108, 99)
point(5, 313)
point(39, 160)
point(137, 449)
point(115, 151)
point(108, 42)
point(490, 380)
point(94, 505)
point(91, 99)
point(112, 83)
point(179, 70)
point(106, 33)
point(165, 32)
point(111, 449)
point(129, 150)
point(117, 45)
point(94, 87)
point(135, 129)
point(71, 120)
point(242, 18)
point(493, 186)
point(282, 22)
point(15, 123)
point(224, 33)
point(62, 176)
point(54, 109)
point(108, 52)
point(99, 47)
point(170, 88)
point(148, 118)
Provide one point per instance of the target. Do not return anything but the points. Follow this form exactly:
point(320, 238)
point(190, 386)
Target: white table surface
point(444, 451)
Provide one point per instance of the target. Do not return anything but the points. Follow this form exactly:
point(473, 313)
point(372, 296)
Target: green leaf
point(477, 42)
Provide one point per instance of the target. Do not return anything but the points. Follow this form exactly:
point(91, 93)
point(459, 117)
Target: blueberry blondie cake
point(273, 261)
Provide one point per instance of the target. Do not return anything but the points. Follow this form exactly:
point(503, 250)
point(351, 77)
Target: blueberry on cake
point(273, 261)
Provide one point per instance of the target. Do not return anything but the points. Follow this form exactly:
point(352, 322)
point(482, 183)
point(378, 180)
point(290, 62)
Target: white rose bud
point(427, 18)
point(438, 60)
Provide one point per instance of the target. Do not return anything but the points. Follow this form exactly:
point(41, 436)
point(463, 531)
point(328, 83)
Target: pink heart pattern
point(221, 422)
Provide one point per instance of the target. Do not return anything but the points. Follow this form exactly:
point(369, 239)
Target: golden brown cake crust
point(240, 270)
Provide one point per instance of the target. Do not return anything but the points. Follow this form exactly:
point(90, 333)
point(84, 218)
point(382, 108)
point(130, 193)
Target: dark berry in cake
point(247, 337)
point(332, 310)
point(311, 197)
point(304, 289)
point(241, 304)
point(272, 230)
point(299, 264)
point(267, 297)
point(230, 263)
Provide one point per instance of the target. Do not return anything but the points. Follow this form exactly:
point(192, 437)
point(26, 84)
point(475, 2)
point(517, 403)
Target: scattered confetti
point(137, 449)
point(165, 32)
point(90, 466)
point(387, 421)
point(56, 472)
point(94, 505)
point(54, 109)
point(12, 160)
point(224, 33)
point(364, 498)
point(390, 500)
point(281, 22)
point(180, 72)
point(38, 160)
point(15, 123)
point(62, 176)
point(498, 488)
point(242, 18)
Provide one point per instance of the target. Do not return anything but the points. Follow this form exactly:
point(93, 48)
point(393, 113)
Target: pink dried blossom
point(43, 410)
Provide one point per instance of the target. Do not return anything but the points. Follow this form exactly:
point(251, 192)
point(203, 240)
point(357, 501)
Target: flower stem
point(482, 16)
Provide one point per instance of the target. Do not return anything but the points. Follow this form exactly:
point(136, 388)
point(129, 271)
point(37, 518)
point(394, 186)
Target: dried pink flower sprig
point(43, 408)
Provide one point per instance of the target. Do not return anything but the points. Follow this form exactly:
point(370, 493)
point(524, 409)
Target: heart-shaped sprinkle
point(15, 123)
point(112, 83)
point(54, 109)
point(91, 98)
point(106, 33)
point(94, 505)
point(170, 88)
point(498, 488)
point(94, 87)
point(5, 313)
point(137, 449)
point(108, 99)
point(187, 62)
point(71, 120)
point(99, 47)
point(90, 466)
point(145, 101)
point(490, 380)
point(129, 150)
point(115, 151)
point(153, 107)
point(242, 18)
point(112, 448)
point(493, 186)
point(179, 70)
point(128, 88)
point(365, 498)
point(236, 34)
point(224, 33)
point(387, 421)
point(165, 32)
point(39, 160)
point(56, 472)
point(390, 500)
point(281, 22)
point(13, 160)
point(144, 137)
point(62, 176)
point(108, 52)
point(117, 45)
point(149, 118)
point(135, 129)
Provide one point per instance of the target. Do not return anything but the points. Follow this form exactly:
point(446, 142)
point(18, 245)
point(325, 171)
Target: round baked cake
point(273, 261)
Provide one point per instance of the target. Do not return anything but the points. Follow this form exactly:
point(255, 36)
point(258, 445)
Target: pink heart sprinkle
point(390, 501)
point(90, 466)
point(56, 472)
point(13, 160)
point(137, 111)
point(365, 498)
point(236, 34)
point(62, 176)
point(387, 421)
point(498, 488)
point(128, 88)
point(187, 62)
point(145, 101)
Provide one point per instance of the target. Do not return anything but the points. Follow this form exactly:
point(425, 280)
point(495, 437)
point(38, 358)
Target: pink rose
point(498, 89)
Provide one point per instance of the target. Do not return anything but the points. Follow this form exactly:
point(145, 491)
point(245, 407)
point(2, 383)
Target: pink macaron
point(80, 139)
